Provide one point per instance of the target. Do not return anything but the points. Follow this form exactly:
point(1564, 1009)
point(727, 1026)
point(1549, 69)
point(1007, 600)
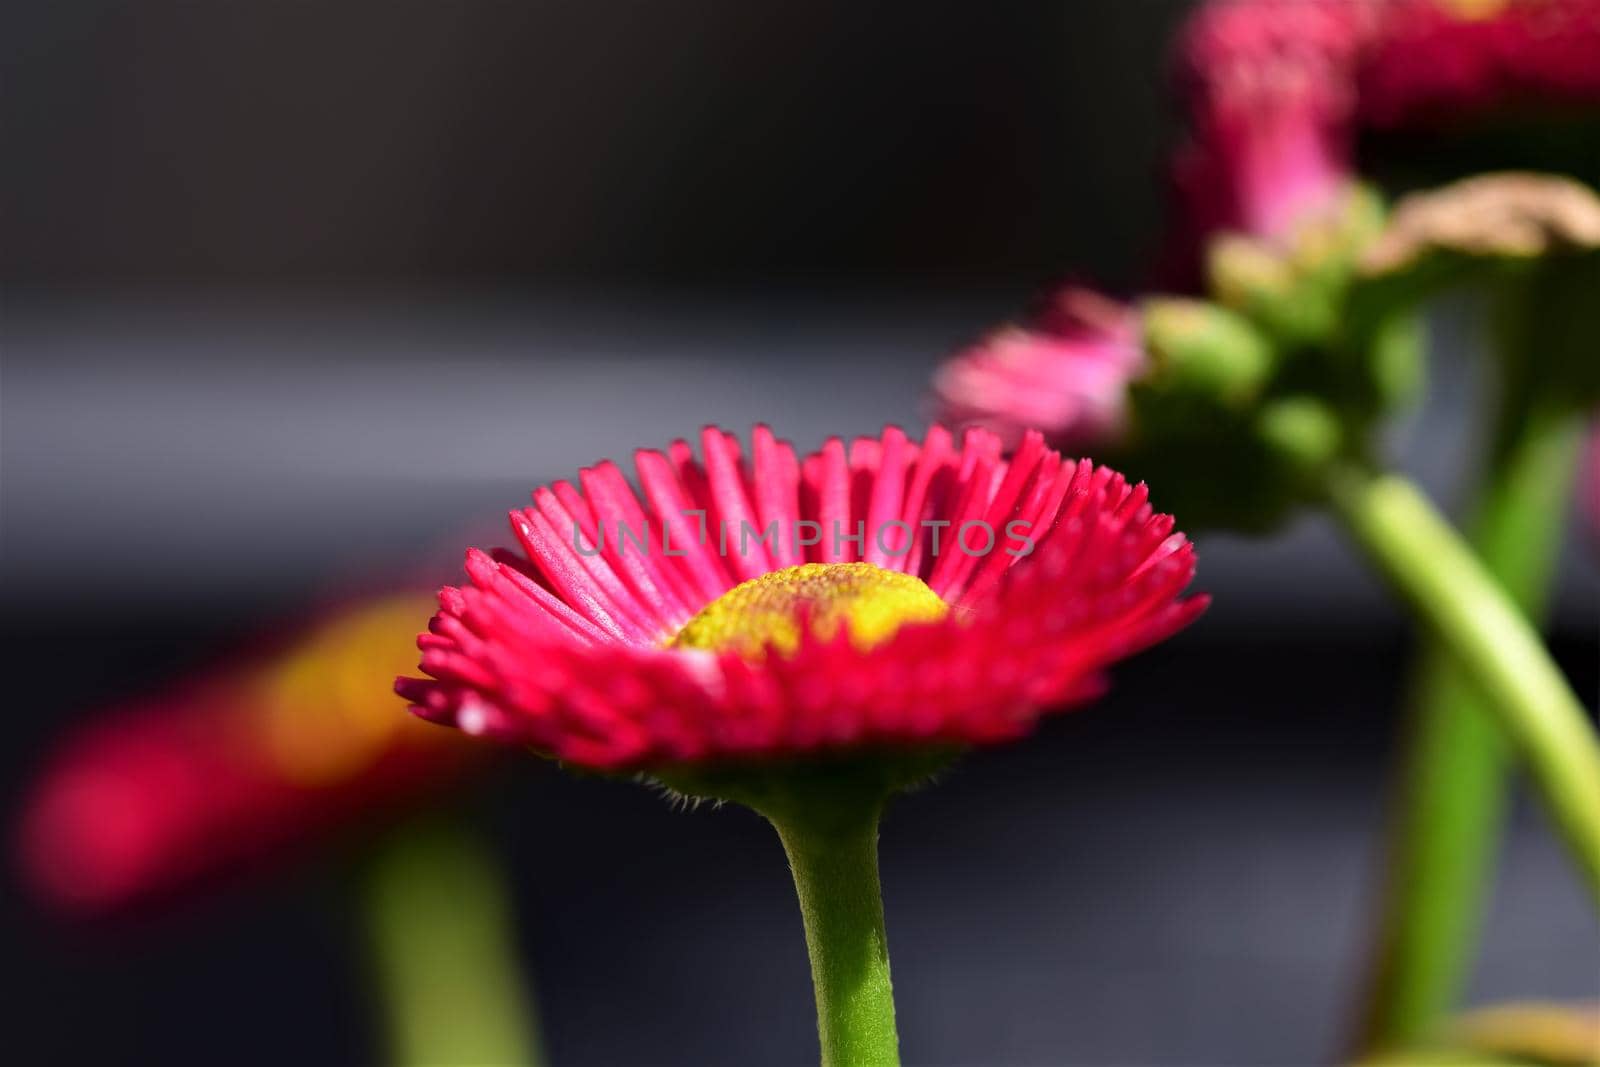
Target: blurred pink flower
point(1065, 375)
point(1276, 90)
point(233, 770)
point(1437, 62)
point(1269, 90)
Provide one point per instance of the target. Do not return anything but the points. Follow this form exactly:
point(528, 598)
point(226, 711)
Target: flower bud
point(1200, 349)
point(1301, 432)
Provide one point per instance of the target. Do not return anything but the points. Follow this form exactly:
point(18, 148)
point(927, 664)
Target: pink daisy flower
point(888, 594)
point(805, 635)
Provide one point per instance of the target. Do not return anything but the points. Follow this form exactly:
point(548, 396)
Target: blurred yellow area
point(328, 708)
point(1535, 1031)
point(1522, 1032)
point(1479, 9)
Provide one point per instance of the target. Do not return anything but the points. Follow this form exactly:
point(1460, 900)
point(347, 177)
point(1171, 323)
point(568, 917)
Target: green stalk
point(445, 958)
point(1428, 564)
point(835, 864)
point(1451, 797)
point(826, 813)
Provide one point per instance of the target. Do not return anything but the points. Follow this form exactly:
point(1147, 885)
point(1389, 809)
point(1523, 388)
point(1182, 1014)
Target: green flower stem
point(826, 813)
point(834, 857)
point(1451, 795)
point(1427, 562)
point(440, 928)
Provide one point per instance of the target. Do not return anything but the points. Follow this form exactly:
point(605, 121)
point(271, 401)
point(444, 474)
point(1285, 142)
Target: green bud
point(1203, 350)
point(1263, 283)
point(1301, 432)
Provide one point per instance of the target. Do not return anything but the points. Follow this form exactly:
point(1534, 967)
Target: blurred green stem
point(1431, 567)
point(1451, 793)
point(443, 943)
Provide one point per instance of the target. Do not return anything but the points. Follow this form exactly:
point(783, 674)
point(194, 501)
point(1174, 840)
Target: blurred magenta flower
point(232, 770)
point(1439, 62)
point(1268, 88)
point(1065, 374)
point(1276, 91)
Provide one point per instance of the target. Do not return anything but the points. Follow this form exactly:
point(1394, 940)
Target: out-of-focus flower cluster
point(1279, 92)
point(235, 769)
point(1296, 328)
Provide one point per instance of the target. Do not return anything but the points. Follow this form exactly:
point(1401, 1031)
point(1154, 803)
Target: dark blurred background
point(295, 294)
point(424, 142)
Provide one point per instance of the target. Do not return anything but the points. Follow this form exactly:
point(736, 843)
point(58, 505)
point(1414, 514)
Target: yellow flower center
point(767, 611)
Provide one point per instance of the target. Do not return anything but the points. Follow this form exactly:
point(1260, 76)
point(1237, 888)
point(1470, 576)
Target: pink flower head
point(232, 770)
point(1067, 375)
point(888, 594)
point(1438, 62)
point(1269, 87)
